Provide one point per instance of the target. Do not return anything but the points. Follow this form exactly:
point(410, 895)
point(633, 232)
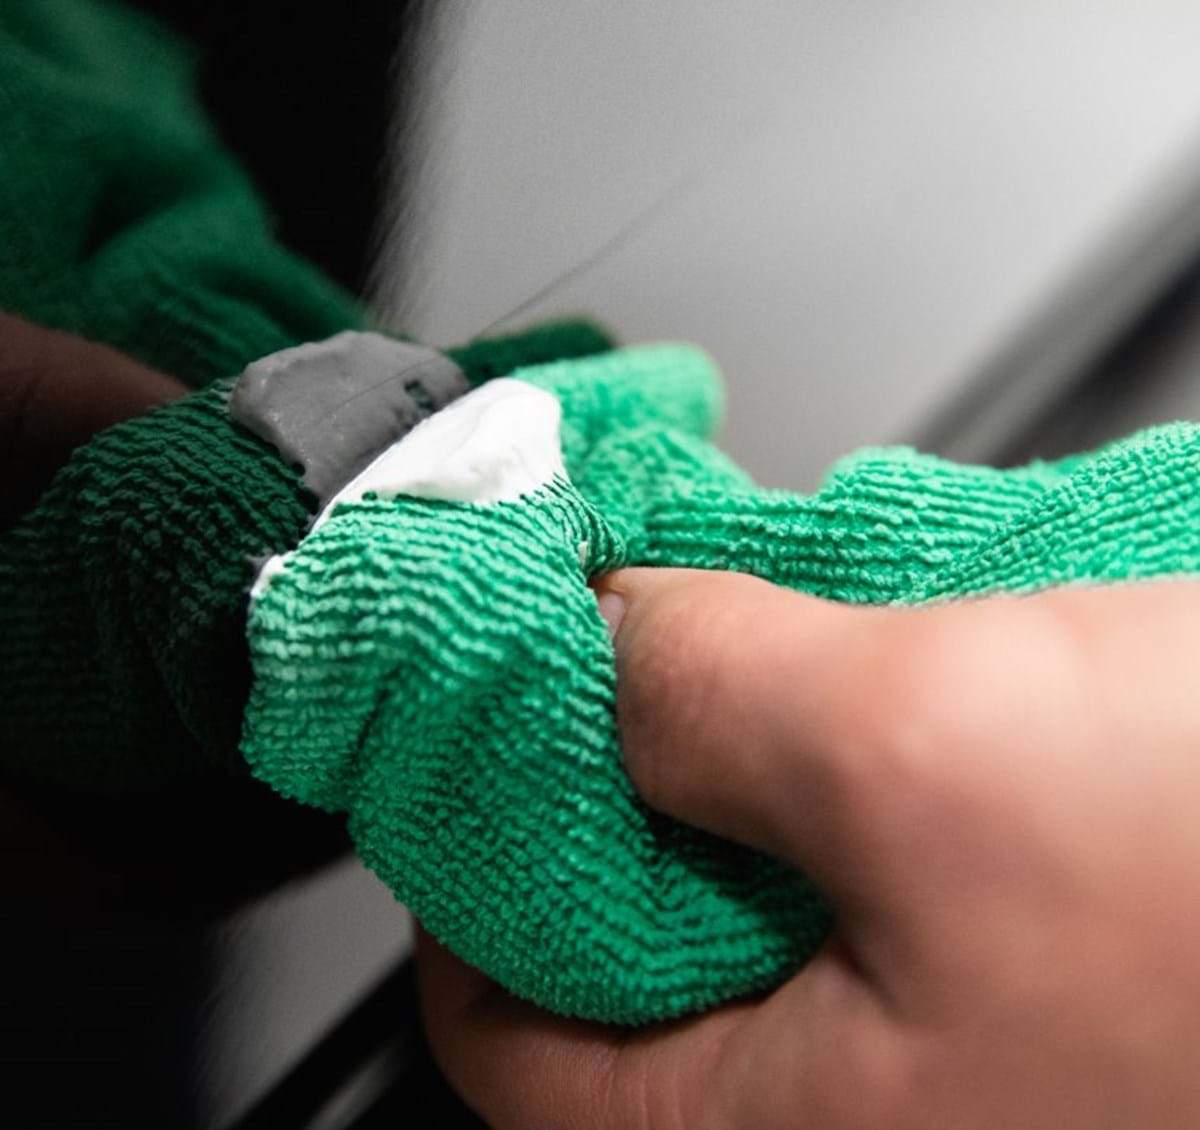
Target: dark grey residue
point(332, 406)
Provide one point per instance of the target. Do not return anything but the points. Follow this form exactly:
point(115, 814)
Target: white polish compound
point(498, 443)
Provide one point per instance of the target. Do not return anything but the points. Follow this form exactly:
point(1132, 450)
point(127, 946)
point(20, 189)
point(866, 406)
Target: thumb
point(56, 391)
point(741, 711)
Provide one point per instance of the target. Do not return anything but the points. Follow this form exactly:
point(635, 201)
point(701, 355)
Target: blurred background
point(873, 215)
point(974, 228)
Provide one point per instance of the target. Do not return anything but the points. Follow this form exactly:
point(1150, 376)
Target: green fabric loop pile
point(122, 618)
point(440, 671)
point(122, 627)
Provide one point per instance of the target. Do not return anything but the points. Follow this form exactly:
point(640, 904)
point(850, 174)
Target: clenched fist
point(1002, 799)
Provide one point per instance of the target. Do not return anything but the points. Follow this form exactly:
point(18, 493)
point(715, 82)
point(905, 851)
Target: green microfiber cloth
point(123, 219)
point(439, 670)
point(436, 669)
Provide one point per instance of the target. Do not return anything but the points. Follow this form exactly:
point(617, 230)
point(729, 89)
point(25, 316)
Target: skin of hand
point(62, 855)
point(57, 391)
point(1002, 798)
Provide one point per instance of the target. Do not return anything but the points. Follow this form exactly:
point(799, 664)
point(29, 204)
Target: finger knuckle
point(637, 1096)
point(925, 681)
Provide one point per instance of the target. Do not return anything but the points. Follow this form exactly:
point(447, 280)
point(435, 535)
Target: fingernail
point(612, 608)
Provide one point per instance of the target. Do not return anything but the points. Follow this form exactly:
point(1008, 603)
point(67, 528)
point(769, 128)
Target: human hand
point(1001, 797)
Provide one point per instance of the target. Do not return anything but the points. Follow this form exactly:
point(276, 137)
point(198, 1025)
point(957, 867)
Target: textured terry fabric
point(122, 623)
point(440, 671)
point(122, 594)
point(121, 216)
point(122, 219)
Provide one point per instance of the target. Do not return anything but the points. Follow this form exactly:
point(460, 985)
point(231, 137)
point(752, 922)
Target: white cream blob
point(498, 443)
